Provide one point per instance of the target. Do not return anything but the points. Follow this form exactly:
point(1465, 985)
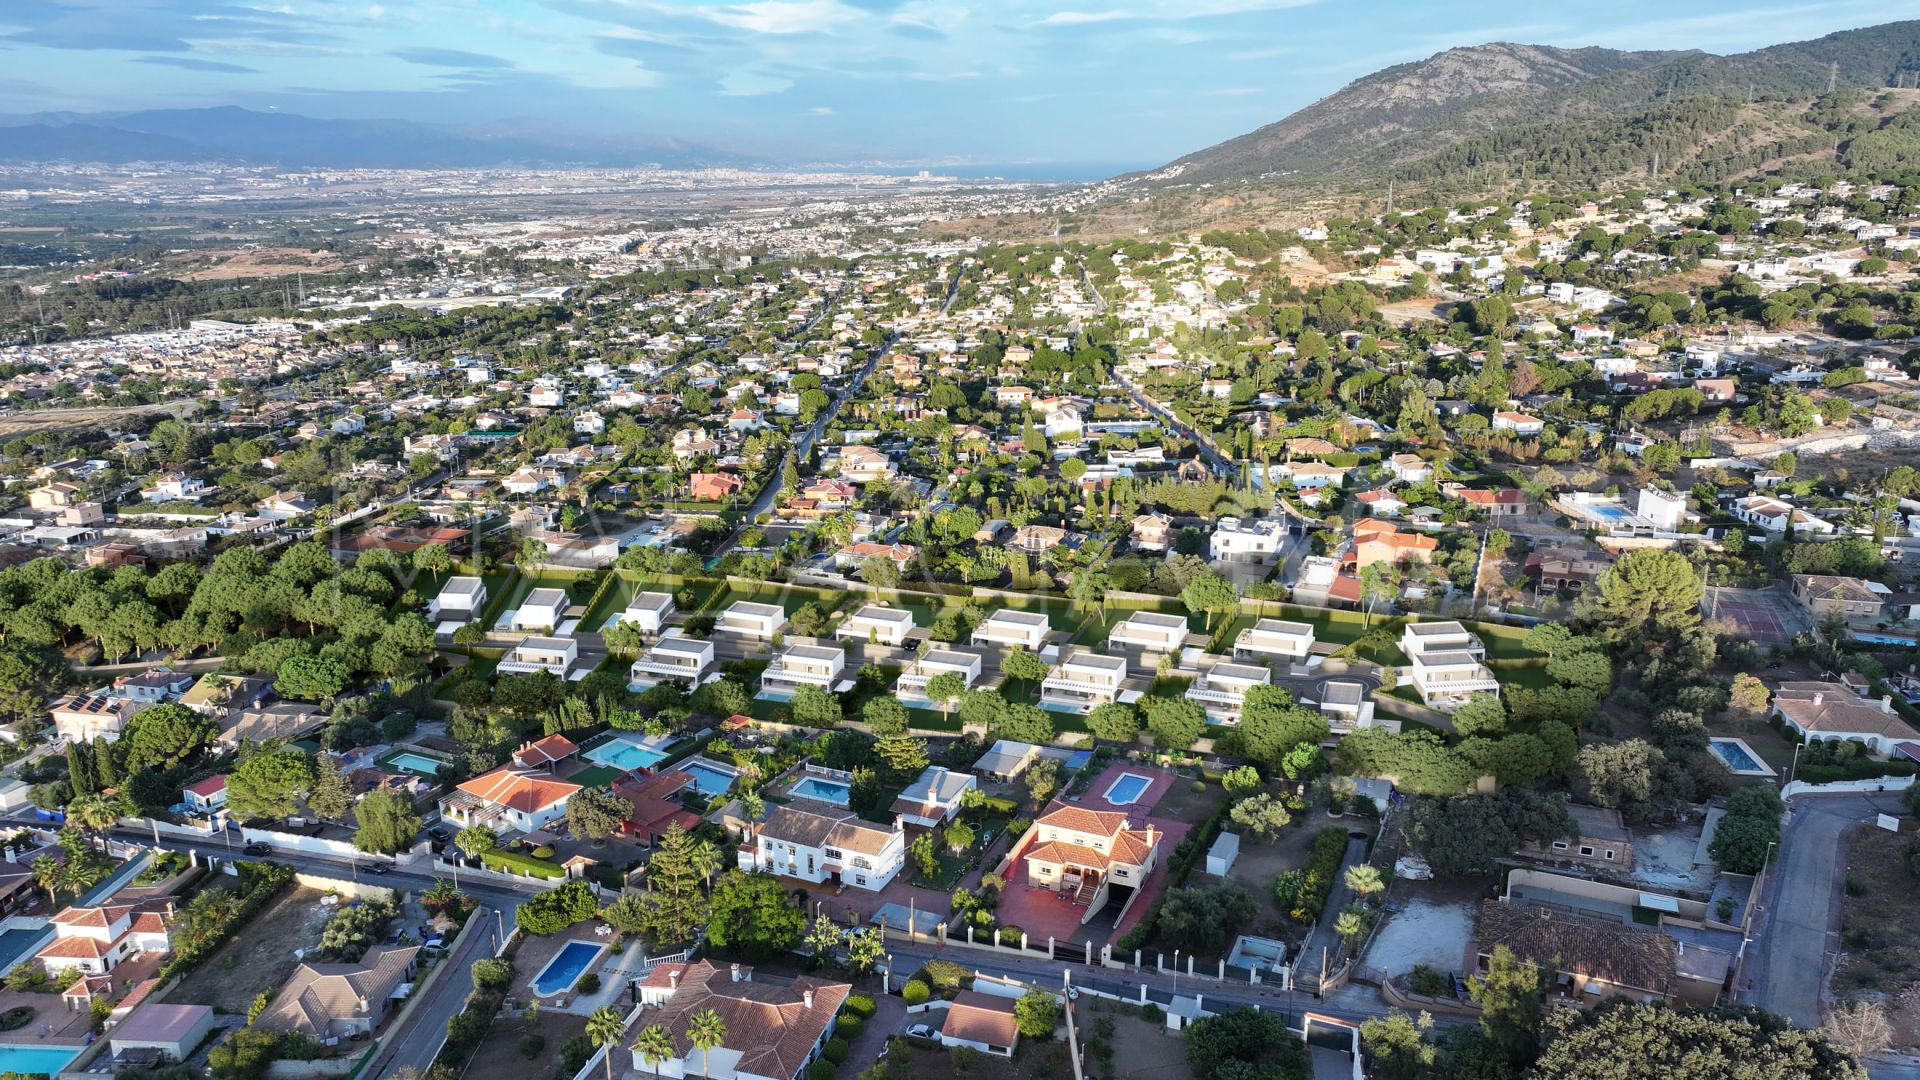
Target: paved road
point(1220, 465)
point(1795, 929)
point(415, 1043)
point(1351, 1002)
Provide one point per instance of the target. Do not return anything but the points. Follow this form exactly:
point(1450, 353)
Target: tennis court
point(1761, 616)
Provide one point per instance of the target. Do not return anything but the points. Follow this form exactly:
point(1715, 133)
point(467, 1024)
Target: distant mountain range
point(245, 136)
point(1471, 118)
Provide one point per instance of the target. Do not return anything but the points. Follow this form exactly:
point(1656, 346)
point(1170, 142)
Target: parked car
point(258, 848)
point(380, 868)
point(438, 833)
point(920, 1031)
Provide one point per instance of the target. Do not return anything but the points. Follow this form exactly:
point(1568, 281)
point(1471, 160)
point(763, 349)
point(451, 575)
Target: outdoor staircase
point(1085, 893)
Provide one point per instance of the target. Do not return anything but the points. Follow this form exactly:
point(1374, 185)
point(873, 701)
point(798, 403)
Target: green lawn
point(597, 776)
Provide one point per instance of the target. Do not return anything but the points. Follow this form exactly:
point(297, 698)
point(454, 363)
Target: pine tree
point(331, 797)
point(105, 767)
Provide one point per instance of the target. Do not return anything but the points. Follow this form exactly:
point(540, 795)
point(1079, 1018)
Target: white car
point(920, 1031)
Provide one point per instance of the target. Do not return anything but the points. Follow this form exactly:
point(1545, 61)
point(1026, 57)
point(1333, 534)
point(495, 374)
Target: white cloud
point(1082, 18)
point(1235, 91)
point(783, 16)
point(820, 110)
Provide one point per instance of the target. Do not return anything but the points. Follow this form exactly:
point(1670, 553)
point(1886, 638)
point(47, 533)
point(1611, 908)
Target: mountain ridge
point(1386, 124)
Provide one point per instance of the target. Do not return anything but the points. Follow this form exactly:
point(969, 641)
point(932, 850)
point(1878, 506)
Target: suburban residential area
point(808, 634)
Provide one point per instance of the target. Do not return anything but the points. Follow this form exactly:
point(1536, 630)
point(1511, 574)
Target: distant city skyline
point(1134, 82)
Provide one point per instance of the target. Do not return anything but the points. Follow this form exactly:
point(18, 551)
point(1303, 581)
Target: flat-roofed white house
point(1012, 629)
point(1223, 689)
point(1083, 681)
point(1447, 663)
point(1148, 631)
point(878, 624)
point(543, 609)
point(537, 653)
point(747, 619)
point(684, 658)
point(461, 599)
point(933, 798)
point(1344, 703)
point(1271, 639)
point(911, 687)
point(802, 665)
point(820, 843)
point(648, 610)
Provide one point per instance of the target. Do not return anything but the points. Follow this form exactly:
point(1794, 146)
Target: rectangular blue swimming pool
point(625, 755)
point(827, 791)
point(28, 1060)
point(417, 764)
point(1735, 756)
point(1127, 788)
point(708, 777)
point(565, 968)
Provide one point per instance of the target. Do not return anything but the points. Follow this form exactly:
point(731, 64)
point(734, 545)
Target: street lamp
point(1795, 766)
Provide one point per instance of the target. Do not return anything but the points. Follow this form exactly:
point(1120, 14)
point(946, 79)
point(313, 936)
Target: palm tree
point(654, 1046)
point(706, 1030)
point(704, 859)
point(94, 813)
point(604, 1028)
point(1350, 924)
point(50, 874)
point(1365, 880)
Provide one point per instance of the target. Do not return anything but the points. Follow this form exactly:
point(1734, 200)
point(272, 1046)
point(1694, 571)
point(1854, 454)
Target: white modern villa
point(911, 687)
point(750, 620)
point(647, 610)
point(1223, 689)
point(1148, 631)
point(1446, 663)
point(877, 624)
point(684, 658)
point(1083, 681)
point(541, 612)
point(536, 653)
point(461, 600)
point(1274, 639)
point(1012, 629)
point(802, 665)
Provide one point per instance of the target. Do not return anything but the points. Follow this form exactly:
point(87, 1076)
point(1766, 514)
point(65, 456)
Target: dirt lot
point(259, 262)
point(1181, 803)
point(1259, 864)
point(259, 957)
point(500, 1054)
point(1879, 939)
point(1140, 1048)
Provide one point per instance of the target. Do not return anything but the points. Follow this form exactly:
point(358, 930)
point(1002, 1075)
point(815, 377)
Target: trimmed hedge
point(861, 1005)
point(916, 992)
point(1853, 770)
point(849, 1027)
point(1323, 867)
point(836, 1050)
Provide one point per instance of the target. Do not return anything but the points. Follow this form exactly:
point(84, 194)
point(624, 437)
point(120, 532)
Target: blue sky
point(908, 81)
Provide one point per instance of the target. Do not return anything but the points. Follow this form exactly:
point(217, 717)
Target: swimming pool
point(418, 764)
point(565, 968)
point(1127, 788)
point(710, 777)
point(626, 755)
point(828, 791)
point(28, 1060)
point(1739, 757)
